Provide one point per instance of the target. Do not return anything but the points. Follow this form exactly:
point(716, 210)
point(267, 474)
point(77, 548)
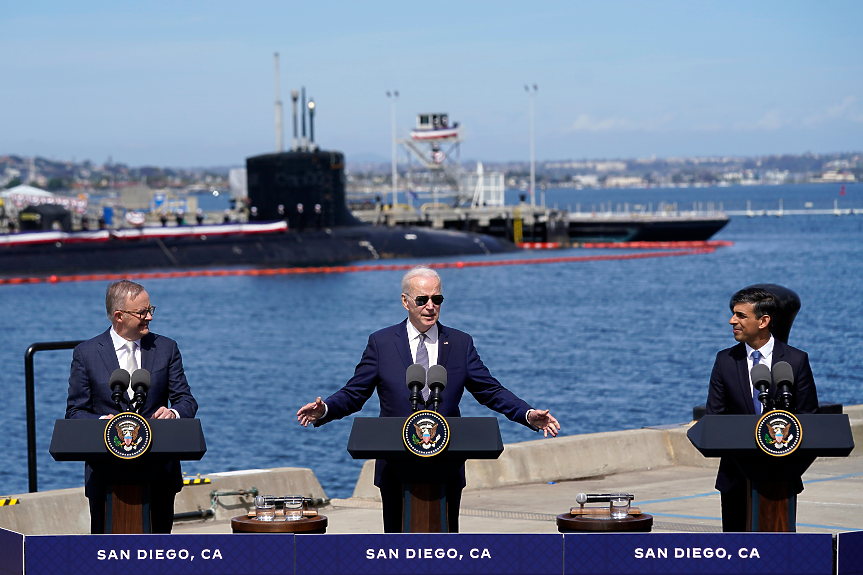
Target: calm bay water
point(605, 345)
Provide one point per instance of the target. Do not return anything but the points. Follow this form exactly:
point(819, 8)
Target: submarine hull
point(273, 249)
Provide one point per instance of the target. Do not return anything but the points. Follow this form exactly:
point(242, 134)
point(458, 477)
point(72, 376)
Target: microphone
point(416, 380)
point(783, 375)
point(761, 379)
point(583, 498)
point(119, 383)
point(437, 383)
point(140, 382)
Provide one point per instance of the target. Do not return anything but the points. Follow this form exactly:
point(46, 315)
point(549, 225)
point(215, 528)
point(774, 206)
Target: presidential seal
point(778, 433)
point(426, 433)
point(128, 435)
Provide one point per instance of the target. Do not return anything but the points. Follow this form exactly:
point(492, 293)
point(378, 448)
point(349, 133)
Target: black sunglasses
point(421, 300)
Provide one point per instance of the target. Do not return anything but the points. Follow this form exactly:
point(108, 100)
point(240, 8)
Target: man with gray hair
point(421, 339)
point(130, 343)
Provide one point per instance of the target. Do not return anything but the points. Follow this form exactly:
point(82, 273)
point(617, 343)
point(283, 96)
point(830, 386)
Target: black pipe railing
point(31, 401)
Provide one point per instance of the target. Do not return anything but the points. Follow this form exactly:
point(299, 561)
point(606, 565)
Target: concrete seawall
point(589, 455)
point(595, 455)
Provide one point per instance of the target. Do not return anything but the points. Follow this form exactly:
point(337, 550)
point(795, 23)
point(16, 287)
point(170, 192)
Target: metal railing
point(31, 401)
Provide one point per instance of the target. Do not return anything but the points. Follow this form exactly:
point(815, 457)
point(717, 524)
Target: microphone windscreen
point(437, 375)
point(415, 375)
point(760, 376)
point(783, 374)
point(141, 378)
point(119, 377)
point(581, 498)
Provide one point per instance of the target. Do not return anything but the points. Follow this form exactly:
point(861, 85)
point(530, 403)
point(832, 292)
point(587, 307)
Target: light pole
point(394, 96)
point(312, 123)
point(532, 96)
point(279, 138)
point(295, 95)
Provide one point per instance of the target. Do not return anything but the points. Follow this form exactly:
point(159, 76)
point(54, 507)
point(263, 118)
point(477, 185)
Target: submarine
point(299, 218)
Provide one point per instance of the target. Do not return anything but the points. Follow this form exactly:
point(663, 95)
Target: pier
point(522, 492)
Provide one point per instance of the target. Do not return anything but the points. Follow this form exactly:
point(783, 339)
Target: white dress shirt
point(431, 342)
point(123, 354)
point(123, 358)
point(766, 358)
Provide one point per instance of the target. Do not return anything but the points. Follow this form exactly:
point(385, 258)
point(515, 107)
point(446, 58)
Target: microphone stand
point(785, 397)
point(435, 398)
point(764, 398)
point(139, 400)
point(416, 397)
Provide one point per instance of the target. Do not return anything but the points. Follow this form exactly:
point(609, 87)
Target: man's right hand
point(311, 412)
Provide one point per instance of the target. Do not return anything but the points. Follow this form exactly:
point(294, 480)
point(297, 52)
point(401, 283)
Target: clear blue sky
point(191, 83)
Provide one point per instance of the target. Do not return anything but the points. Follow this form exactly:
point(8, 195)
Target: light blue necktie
point(423, 360)
point(756, 359)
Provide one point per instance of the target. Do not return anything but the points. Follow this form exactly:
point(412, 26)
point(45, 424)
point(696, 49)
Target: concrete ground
point(680, 498)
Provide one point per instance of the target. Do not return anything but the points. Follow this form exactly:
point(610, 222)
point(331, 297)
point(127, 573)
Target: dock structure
point(525, 223)
point(521, 492)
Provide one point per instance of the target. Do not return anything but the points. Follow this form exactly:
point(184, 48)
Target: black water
point(605, 345)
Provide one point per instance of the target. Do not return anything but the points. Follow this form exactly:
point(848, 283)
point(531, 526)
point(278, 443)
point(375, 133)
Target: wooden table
point(569, 523)
point(304, 526)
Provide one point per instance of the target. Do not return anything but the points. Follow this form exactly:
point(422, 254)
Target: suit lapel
point(443, 345)
point(107, 352)
point(743, 377)
point(778, 352)
point(401, 342)
point(148, 352)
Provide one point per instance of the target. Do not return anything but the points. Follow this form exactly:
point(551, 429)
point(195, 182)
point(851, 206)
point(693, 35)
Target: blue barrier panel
point(255, 554)
point(756, 553)
point(410, 554)
point(850, 547)
point(11, 553)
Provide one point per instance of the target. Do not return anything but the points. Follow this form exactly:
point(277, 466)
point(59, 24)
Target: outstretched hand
point(311, 412)
point(545, 421)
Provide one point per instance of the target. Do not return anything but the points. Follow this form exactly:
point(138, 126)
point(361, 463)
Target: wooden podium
point(127, 505)
point(424, 478)
point(771, 501)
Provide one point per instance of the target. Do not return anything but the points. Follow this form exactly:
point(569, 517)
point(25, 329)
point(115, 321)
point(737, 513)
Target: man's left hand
point(165, 413)
point(544, 421)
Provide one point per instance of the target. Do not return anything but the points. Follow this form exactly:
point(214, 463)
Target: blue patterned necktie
point(423, 360)
point(756, 359)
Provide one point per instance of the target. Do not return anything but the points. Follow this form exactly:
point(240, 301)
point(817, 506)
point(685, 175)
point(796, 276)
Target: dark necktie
point(756, 359)
point(423, 360)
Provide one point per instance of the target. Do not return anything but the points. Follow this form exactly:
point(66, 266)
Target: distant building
point(624, 182)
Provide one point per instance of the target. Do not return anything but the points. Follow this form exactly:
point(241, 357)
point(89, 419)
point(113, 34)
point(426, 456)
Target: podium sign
point(128, 481)
point(424, 479)
point(771, 504)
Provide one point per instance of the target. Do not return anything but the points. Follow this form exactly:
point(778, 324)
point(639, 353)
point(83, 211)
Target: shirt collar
point(119, 342)
point(413, 332)
point(766, 349)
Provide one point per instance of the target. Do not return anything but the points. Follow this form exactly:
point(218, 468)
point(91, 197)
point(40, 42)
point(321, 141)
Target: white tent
point(25, 190)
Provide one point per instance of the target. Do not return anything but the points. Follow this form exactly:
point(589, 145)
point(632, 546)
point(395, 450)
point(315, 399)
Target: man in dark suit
point(731, 391)
point(421, 339)
point(130, 344)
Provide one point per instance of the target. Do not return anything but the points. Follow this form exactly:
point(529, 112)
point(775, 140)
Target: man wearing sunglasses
point(421, 339)
point(129, 344)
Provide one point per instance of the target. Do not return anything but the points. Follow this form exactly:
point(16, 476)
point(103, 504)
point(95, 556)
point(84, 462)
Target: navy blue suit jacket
point(729, 393)
point(384, 363)
point(93, 362)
